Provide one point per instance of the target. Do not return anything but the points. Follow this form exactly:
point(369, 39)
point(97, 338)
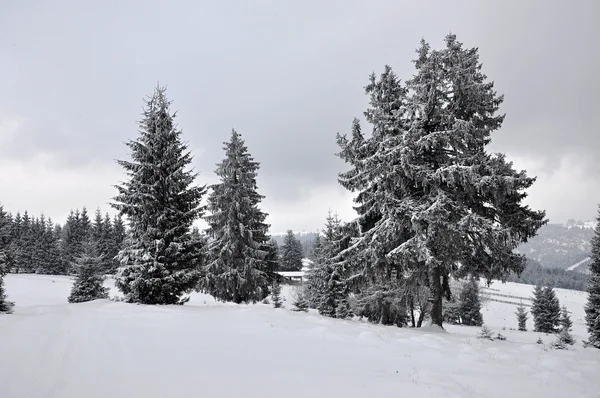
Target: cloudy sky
point(288, 75)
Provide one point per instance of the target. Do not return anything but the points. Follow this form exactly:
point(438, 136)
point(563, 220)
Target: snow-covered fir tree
point(326, 288)
point(300, 303)
point(89, 284)
point(5, 305)
point(276, 293)
point(545, 310)
point(470, 305)
point(521, 318)
point(238, 269)
point(592, 307)
point(291, 253)
point(273, 257)
point(161, 201)
point(566, 326)
point(432, 203)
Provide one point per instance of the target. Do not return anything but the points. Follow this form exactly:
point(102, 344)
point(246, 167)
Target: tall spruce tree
point(432, 203)
point(291, 253)
point(161, 261)
point(238, 269)
point(5, 236)
point(592, 307)
point(522, 318)
point(470, 305)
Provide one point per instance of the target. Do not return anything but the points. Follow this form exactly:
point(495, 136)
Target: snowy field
point(49, 348)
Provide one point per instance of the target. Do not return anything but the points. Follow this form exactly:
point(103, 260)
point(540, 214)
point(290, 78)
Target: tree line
point(432, 205)
point(38, 245)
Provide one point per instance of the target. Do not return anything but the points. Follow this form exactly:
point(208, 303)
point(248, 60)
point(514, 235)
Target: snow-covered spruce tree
point(300, 303)
point(432, 203)
point(276, 293)
point(470, 306)
point(545, 310)
point(291, 253)
point(566, 326)
point(238, 269)
point(161, 261)
point(592, 307)
point(5, 235)
point(522, 318)
point(272, 257)
point(89, 284)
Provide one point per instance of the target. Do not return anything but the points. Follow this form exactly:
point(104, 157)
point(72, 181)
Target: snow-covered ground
point(49, 348)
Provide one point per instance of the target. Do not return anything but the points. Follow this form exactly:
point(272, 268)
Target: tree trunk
point(421, 317)
point(412, 313)
point(436, 295)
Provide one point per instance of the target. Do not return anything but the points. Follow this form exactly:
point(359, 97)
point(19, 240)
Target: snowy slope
point(49, 348)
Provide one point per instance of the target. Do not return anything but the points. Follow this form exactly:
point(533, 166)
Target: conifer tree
point(432, 203)
point(51, 261)
point(25, 246)
point(291, 253)
point(470, 306)
point(300, 303)
point(545, 310)
point(276, 293)
point(522, 318)
point(237, 269)
point(272, 257)
point(5, 305)
point(161, 201)
point(89, 284)
point(592, 307)
point(566, 326)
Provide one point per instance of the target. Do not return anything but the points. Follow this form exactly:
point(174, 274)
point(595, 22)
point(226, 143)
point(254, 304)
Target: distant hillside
point(561, 246)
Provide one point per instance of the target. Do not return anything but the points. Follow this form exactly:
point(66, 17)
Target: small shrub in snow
point(266, 301)
point(485, 333)
point(540, 341)
point(500, 337)
point(5, 305)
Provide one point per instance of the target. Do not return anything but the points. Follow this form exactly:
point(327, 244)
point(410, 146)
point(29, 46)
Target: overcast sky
point(287, 75)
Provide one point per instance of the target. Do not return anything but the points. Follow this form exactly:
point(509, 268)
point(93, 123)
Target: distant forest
point(535, 274)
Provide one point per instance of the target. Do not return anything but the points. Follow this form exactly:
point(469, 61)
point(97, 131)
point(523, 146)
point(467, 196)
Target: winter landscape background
point(268, 198)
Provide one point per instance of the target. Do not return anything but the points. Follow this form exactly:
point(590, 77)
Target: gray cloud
point(288, 76)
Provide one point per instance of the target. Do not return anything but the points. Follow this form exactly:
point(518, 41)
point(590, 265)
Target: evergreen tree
point(238, 269)
point(25, 246)
point(522, 318)
point(291, 253)
point(300, 303)
point(50, 261)
point(432, 203)
point(566, 326)
point(545, 310)
point(276, 294)
point(5, 305)
point(272, 257)
point(161, 261)
point(592, 307)
point(470, 306)
point(89, 284)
